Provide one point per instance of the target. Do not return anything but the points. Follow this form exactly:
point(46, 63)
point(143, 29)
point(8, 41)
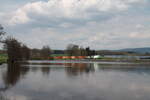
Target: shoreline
point(100, 61)
point(106, 62)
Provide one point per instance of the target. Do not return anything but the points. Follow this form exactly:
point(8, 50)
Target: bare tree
point(25, 52)
point(2, 33)
point(45, 52)
point(83, 51)
point(35, 53)
point(73, 50)
point(13, 48)
point(16, 51)
point(69, 50)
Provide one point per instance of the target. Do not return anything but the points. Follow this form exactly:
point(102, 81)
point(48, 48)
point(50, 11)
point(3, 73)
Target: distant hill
point(137, 50)
point(58, 52)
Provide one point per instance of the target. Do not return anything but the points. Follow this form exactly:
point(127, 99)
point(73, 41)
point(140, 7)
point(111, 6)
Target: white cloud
point(100, 24)
point(66, 25)
point(139, 35)
point(67, 9)
point(22, 18)
point(119, 32)
point(139, 26)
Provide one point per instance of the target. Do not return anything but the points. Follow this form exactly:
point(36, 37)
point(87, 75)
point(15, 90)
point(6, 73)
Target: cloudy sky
point(100, 24)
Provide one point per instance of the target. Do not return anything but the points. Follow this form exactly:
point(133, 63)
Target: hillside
point(137, 50)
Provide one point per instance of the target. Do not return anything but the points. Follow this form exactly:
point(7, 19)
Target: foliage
point(16, 51)
point(75, 50)
point(3, 58)
point(45, 52)
point(2, 33)
point(40, 54)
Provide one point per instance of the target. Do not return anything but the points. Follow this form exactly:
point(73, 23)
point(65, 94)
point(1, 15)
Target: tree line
point(76, 50)
point(18, 51)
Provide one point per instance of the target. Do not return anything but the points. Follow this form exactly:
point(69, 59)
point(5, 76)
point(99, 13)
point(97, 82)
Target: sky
point(100, 24)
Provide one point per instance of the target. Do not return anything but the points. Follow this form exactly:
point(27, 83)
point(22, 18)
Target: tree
point(73, 50)
point(1, 30)
point(35, 53)
point(45, 52)
point(13, 48)
point(16, 50)
point(25, 52)
point(2, 33)
point(69, 50)
point(83, 51)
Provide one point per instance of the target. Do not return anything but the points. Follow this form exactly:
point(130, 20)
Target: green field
point(56, 55)
point(3, 58)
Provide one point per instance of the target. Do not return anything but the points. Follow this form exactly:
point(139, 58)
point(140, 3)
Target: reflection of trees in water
point(11, 77)
point(45, 70)
point(34, 69)
point(3, 97)
point(13, 74)
point(2, 93)
point(140, 69)
point(74, 69)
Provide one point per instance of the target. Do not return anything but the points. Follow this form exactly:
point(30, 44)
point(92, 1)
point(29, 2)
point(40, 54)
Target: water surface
point(61, 80)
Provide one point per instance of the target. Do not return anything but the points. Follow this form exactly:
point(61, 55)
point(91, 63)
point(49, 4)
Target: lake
point(74, 80)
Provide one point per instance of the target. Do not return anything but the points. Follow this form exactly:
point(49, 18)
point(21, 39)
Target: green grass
point(3, 58)
point(55, 55)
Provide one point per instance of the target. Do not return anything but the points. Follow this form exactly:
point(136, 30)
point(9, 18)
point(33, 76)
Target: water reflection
point(72, 69)
point(79, 68)
point(75, 69)
point(17, 71)
point(10, 78)
point(13, 74)
point(46, 70)
point(49, 81)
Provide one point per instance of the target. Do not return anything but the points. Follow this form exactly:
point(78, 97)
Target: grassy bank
point(109, 59)
point(3, 58)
